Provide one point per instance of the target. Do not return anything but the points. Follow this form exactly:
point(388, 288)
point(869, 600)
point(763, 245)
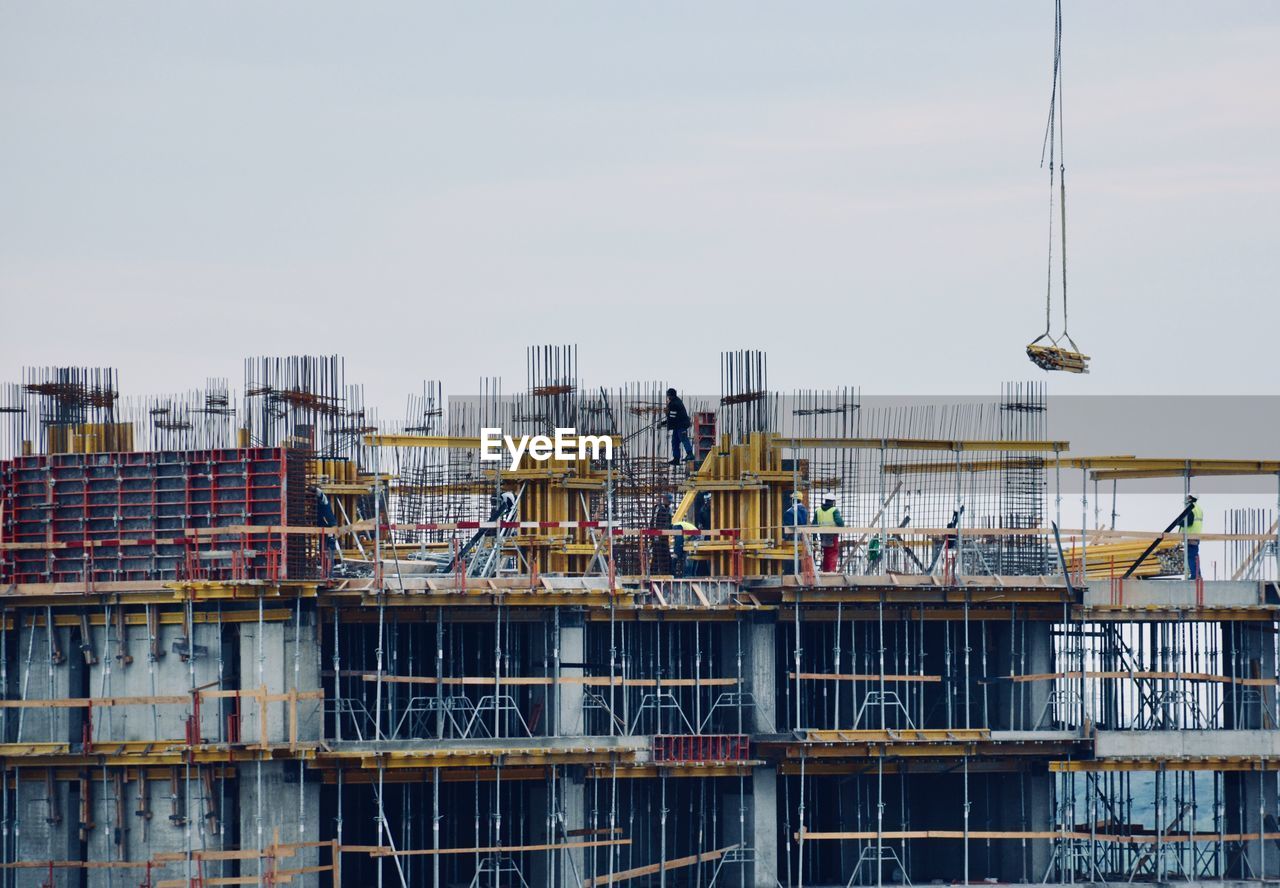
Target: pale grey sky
point(429, 187)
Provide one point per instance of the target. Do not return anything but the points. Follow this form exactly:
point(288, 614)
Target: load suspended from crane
point(1047, 351)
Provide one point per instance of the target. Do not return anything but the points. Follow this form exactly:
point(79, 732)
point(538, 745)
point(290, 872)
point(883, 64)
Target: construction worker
point(678, 422)
point(702, 510)
point(829, 516)
point(501, 508)
point(678, 560)
point(1193, 526)
point(795, 515)
point(662, 545)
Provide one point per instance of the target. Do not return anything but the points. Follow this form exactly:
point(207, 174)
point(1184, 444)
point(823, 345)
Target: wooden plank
point(537, 680)
point(854, 676)
point(650, 869)
point(495, 849)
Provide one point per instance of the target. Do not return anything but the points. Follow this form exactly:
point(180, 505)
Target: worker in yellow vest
point(1193, 526)
point(829, 516)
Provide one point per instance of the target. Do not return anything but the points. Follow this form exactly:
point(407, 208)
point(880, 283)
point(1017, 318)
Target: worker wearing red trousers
point(829, 516)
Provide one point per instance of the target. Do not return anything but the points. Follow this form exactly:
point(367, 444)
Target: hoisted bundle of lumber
point(1106, 560)
point(1055, 357)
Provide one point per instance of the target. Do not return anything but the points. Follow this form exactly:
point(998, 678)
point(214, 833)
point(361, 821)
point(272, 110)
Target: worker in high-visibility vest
point(677, 559)
point(1193, 526)
point(829, 516)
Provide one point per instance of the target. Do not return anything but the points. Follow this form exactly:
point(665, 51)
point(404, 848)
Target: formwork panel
point(104, 517)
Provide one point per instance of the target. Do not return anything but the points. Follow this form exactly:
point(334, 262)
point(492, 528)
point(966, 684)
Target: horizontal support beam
point(933, 444)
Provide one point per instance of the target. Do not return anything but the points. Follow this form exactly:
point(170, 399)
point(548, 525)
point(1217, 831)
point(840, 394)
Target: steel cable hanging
point(1054, 355)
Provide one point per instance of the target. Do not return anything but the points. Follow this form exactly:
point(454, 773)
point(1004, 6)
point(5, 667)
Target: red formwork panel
point(701, 748)
point(158, 515)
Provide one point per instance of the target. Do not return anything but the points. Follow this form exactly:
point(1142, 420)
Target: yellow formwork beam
point(451, 442)
point(1205, 763)
point(988, 445)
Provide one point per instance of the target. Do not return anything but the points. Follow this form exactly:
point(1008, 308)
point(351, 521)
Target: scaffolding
point(284, 643)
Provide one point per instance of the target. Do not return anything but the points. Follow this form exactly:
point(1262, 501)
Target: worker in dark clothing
point(702, 521)
point(1193, 526)
point(678, 558)
point(325, 517)
point(501, 507)
point(795, 515)
point(678, 422)
point(702, 510)
point(661, 545)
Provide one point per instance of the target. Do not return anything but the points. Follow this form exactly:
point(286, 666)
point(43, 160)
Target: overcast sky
point(429, 187)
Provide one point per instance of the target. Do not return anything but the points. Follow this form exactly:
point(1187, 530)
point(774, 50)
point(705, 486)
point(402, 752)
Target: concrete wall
point(39, 839)
point(180, 821)
point(168, 674)
point(46, 827)
point(289, 812)
point(283, 657)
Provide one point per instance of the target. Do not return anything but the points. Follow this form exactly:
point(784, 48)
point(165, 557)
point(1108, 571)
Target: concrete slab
point(1189, 744)
point(1174, 593)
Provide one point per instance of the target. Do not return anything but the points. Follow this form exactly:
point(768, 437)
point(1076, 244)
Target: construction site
point(251, 635)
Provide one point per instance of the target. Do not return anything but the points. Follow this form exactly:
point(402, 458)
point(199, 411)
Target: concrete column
point(762, 672)
point(764, 826)
point(290, 660)
point(290, 813)
point(1250, 802)
point(280, 792)
point(1026, 802)
point(572, 651)
point(1255, 658)
point(561, 868)
point(543, 830)
point(1025, 648)
point(573, 813)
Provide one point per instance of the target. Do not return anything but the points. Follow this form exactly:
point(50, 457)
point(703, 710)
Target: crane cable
point(1053, 149)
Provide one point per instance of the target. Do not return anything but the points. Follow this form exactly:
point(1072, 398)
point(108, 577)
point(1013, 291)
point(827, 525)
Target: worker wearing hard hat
point(1193, 526)
point(795, 515)
point(829, 516)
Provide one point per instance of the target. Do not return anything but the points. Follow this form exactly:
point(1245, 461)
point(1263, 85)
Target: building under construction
point(252, 635)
